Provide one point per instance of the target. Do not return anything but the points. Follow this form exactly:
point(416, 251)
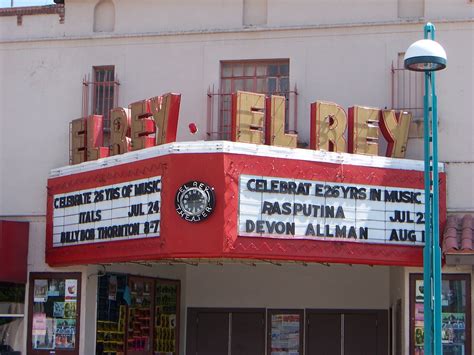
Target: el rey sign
point(256, 119)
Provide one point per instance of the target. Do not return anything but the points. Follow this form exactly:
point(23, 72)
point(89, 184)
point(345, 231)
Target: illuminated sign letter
point(95, 138)
point(119, 131)
point(87, 139)
point(142, 125)
point(275, 124)
point(328, 123)
point(165, 111)
point(395, 128)
point(363, 132)
point(247, 117)
point(78, 141)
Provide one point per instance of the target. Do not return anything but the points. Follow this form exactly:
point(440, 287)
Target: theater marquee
point(346, 199)
point(330, 211)
point(228, 200)
point(103, 214)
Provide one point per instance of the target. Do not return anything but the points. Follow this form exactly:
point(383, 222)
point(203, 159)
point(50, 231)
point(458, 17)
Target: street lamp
point(428, 56)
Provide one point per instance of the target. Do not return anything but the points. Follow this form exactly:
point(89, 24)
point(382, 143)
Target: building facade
point(233, 282)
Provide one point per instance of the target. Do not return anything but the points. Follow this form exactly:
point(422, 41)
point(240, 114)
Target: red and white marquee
point(227, 200)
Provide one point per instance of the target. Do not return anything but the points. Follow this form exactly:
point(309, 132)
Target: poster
point(419, 291)
point(65, 333)
point(56, 288)
point(39, 323)
point(453, 328)
point(46, 340)
point(285, 334)
point(172, 318)
point(70, 290)
point(40, 291)
point(113, 288)
point(419, 335)
point(58, 310)
point(419, 312)
point(70, 309)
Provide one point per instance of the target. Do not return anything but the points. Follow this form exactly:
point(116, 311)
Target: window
point(104, 16)
point(456, 314)
point(137, 314)
point(54, 313)
point(12, 303)
point(265, 77)
point(104, 91)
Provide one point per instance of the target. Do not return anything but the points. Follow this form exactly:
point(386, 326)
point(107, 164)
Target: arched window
point(104, 16)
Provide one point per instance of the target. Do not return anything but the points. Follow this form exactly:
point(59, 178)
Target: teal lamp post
point(428, 56)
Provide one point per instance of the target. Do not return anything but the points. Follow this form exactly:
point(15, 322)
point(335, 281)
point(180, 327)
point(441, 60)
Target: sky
point(8, 3)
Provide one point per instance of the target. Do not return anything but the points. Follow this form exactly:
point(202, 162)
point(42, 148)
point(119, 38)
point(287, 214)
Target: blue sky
point(7, 3)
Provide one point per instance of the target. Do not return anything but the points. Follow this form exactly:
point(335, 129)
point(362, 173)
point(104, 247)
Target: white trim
point(210, 147)
point(20, 315)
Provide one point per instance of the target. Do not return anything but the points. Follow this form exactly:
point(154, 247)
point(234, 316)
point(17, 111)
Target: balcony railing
point(407, 91)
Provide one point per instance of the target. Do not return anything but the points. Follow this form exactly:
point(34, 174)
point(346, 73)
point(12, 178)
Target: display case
point(137, 315)
point(54, 307)
point(455, 316)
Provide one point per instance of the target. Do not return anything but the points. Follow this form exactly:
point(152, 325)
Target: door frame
point(382, 324)
point(445, 277)
point(193, 312)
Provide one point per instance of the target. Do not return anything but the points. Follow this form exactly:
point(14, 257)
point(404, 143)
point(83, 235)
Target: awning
point(13, 251)
point(458, 240)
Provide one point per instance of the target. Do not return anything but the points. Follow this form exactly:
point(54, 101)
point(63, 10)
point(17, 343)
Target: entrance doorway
point(217, 331)
point(226, 332)
point(346, 332)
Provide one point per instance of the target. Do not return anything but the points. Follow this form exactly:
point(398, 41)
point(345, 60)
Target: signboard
point(274, 207)
point(227, 200)
point(128, 210)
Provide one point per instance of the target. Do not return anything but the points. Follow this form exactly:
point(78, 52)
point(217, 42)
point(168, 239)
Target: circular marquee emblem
point(195, 201)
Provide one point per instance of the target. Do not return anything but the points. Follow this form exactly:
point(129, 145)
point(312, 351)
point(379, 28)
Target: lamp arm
point(430, 30)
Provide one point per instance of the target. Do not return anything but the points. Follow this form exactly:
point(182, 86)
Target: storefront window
point(54, 305)
point(12, 304)
point(137, 315)
point(139, 337)
point(456, 314)
point(111, 312)
point(166, 317)
point(286, 332)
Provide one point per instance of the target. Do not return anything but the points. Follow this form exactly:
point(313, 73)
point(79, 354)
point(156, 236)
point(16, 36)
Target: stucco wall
point(288, 286)
point(157, 47)
point(148, 16)
point(41, 88)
